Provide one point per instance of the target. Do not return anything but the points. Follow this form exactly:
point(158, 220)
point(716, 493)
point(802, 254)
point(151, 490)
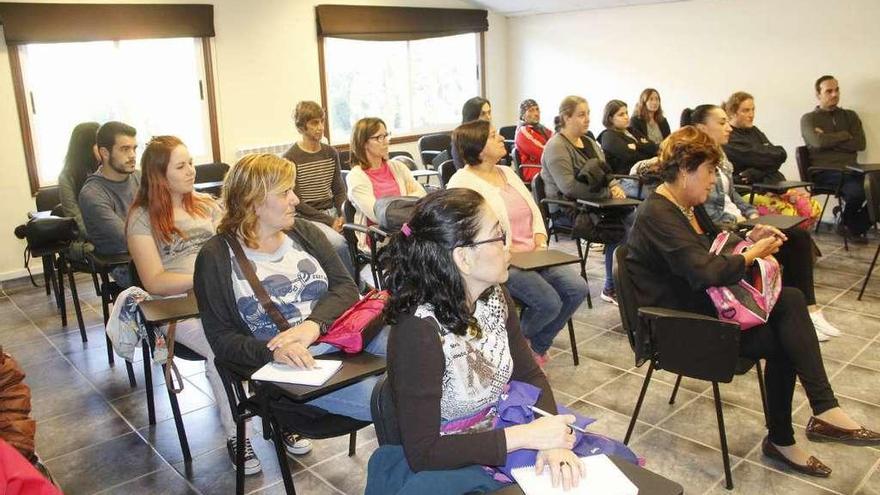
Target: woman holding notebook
point(290, 261)
point(455, 347)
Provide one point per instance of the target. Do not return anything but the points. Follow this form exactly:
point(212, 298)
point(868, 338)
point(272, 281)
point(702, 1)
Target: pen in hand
point(542, 412)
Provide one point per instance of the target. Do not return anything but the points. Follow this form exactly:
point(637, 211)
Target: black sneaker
point(251, 462)
point(295, 444)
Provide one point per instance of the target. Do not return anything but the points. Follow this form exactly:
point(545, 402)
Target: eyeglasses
point(381, 137)
point(502, 238)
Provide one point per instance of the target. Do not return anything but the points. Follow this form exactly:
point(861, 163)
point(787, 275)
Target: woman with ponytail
point(455, 346)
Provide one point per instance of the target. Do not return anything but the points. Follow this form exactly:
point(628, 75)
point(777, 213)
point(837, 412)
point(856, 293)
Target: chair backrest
point(406, 160)
point(508, 132)
point(48, 198)
point(211, 172)
point(802, 157)
point(345, 160)
point(433, 142)
point(383, 413)
point(399, 153)
point(872, 195)
point(447, 170)
point(626, 298)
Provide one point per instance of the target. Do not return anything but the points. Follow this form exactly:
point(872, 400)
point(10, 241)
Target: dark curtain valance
point(397, 23)
point(57, 23)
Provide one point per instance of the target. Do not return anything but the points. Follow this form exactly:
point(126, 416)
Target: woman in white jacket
point(551, 295)
point(373, 175)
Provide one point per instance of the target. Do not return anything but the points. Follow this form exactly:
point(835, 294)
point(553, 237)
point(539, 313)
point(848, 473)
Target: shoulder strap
point(259, 291)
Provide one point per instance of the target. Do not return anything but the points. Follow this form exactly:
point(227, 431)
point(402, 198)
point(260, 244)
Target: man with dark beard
point(107, 194)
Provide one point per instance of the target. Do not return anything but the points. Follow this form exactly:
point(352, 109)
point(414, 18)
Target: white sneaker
point(821, 337)
point(296, 444)
point(823, 325)
point(251, 462)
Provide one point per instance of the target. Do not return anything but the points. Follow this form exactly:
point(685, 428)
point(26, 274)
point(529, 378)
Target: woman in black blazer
point(622, 147)
point(647, 118)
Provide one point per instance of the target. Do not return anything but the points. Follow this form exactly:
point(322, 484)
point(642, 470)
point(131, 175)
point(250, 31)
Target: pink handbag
point(749, 301)
point(359, 324)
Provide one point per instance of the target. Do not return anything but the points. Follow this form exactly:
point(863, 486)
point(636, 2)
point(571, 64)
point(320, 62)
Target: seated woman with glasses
point(298, 268)
point(551, 295)
point(455, 345)
point(669, 257)
point(373, 175)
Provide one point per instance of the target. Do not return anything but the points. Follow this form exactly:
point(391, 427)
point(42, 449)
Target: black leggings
point(788, 343)
point(796, 257)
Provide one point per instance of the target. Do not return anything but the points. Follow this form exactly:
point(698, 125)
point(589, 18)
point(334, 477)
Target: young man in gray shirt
point(834, 136)
point(107, 194)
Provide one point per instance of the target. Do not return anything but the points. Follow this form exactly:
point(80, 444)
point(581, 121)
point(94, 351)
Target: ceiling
point(512, 8)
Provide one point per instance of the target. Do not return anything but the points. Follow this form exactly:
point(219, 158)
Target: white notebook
point(602, 478)
point(278, 372)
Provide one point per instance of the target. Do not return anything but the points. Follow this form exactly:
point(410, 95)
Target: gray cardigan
point(568, 174)
point(230, 337)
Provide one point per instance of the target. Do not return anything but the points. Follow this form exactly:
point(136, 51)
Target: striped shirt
point(319, 185)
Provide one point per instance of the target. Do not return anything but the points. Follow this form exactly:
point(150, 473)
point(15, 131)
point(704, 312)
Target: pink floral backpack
point(749, 301)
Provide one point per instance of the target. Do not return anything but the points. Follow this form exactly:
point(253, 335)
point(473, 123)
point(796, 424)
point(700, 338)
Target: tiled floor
point(93, 432)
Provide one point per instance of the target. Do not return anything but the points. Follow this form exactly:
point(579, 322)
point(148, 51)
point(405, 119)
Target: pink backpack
point(749, 301)
point(355, 328)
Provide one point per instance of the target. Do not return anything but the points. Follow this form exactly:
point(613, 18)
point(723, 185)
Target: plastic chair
point(872, 194)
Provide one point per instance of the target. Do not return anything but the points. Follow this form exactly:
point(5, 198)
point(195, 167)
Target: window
point(414, 86)
point(156, 85)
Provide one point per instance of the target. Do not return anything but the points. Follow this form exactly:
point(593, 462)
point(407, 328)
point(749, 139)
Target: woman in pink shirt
point(373, 175)
point(551, 295)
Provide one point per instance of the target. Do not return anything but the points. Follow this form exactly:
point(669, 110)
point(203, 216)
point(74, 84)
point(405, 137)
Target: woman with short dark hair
point(670, 261)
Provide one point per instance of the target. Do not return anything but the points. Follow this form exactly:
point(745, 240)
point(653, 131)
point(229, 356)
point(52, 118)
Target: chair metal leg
point(574, 345)
point(635, 416)
point(97, 286)
point(148, 382)
point(760, 370)
point(130, 370)
point(582, 254)
point(868, 275)
point(46, 282)
point(58, 274)
point(822, 213)
point(178, 423)
point(239, 455)
point(675, 390)
point(281, 453)
point(724, 455)
point(352, 443)
point(73, 292)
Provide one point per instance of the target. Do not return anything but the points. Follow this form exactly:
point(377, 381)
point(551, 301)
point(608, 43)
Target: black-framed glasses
point(502, 238)
point(381, 137)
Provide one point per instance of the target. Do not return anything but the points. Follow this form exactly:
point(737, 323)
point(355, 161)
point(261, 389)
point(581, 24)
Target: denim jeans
point(354, 400)
point(550, 297)
point(855, 215)
point(339, 244)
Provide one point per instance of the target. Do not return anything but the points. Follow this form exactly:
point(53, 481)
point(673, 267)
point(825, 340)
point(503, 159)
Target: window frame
point(405, 138)
point(22, 101)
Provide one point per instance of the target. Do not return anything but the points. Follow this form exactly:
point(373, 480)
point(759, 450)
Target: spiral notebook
point(602, 478)
point(278, 372)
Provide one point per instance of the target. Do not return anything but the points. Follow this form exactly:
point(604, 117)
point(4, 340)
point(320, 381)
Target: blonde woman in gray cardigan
point(551, 295)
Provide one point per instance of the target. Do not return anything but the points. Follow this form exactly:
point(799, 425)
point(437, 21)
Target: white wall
point(701, 51)
point(266, 59)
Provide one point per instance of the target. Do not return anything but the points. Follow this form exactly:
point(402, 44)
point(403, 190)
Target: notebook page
point(278, 372)
point(602, 478)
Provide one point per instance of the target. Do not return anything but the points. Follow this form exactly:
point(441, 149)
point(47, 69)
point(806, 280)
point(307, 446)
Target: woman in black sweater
point(755, 159)
point(669, 258)
point(647, 118)
point(455, 345)
point(622, 147)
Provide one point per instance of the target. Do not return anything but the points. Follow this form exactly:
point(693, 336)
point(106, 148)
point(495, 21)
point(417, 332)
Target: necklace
point(687, 212)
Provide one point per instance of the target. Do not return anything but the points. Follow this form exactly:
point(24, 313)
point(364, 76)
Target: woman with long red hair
point(167, 225)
